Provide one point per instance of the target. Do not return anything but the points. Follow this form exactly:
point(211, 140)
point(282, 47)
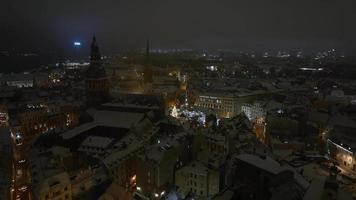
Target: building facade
point(198, 179)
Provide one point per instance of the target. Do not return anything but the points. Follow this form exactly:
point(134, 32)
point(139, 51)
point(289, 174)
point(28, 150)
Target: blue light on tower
point(77, 44)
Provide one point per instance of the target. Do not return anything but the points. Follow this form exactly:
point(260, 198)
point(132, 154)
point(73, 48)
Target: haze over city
point(178, 100)
point(255, 25)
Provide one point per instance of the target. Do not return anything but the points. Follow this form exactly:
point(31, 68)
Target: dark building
point(147, 71)
point(261, 178)
point(96, 81)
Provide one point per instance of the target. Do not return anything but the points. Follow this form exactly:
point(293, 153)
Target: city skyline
point(178, 100)
point(257, 25)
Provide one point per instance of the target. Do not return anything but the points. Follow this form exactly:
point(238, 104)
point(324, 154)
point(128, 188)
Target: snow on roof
point(106, 118)
point(76, 131)
point(157, 151)
point(267, 164)
point(315, 189)
point(117, 119)
point(97, 142)
point(132, 145)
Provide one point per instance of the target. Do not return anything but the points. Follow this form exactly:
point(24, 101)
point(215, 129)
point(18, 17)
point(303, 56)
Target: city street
point(21, 174)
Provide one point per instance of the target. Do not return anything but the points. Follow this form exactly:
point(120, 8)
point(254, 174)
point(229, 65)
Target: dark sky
point(236, 24)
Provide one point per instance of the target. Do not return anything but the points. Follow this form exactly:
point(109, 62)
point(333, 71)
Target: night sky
point(244, 25)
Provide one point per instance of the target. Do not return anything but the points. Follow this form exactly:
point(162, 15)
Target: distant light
point(77, 44)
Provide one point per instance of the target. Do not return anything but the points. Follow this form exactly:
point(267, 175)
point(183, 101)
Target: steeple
point(96, 81)
point(147, 69)
point(95, 69)
point(147, 51)
point(95, 55)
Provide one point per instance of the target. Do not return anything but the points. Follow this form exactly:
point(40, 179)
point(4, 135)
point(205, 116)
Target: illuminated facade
point(34, 121)
point(254, 112)
point(4, 117)
point(259, 128)
point(257, 116)
point(224, 106)
point(342, 154)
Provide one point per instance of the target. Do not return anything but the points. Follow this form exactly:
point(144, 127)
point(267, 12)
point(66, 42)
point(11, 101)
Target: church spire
point(96, 81)
point(147, 69)
point(95, 69)
point(95, 55)
point(147, 51)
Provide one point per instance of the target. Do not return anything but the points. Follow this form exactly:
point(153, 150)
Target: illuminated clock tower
point(96, 81)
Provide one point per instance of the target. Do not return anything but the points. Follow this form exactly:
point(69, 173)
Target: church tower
point(96, 80)
point(147, 71)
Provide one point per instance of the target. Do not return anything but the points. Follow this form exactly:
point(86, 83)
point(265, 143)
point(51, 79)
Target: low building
point(58, 173)
point(17, 80)
point(254, 111)
point(264, 178)
point(198, 179)
point(342, 142)
point(95, 145)
point(5, 164)
point(122, 163)
point(225, 106)
point(55, 187)
point(42, 80)
point(156, 166)
point(326, 188)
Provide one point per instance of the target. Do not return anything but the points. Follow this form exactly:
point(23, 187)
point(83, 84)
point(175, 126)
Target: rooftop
point(124, 120)
point(267, 164)
point(97, 142)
